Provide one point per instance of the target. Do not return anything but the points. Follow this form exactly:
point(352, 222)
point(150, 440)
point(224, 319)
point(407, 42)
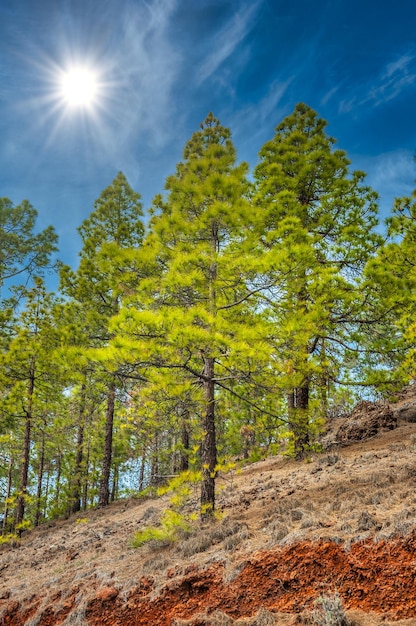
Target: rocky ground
point(290, 532)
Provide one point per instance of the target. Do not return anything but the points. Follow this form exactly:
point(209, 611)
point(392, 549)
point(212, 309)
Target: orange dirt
point(379, 577)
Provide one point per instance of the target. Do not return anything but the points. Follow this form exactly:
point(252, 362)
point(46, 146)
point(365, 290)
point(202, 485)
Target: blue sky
point(164, 64)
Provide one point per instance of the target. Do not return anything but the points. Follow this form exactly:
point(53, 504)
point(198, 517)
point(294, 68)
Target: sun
point(79, 87)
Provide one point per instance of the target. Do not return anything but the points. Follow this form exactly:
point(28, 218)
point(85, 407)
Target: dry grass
point(364, 490)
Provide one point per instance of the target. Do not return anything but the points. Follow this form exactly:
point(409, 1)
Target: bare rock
point(107, 594)
point(405, 405)
point(365, 421)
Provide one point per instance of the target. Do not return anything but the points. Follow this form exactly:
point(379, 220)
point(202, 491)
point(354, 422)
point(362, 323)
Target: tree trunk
point(184, 455)
point(40, 481)
point(76, 494)
point(24, 472)
point(75, 501)
point(142, 468)
point(298, 406)
point(104, 495)
point(8, 494)
point(85, 481)
point(114, 488)
point(208, 445)
point(58, 480)
point(154, 468)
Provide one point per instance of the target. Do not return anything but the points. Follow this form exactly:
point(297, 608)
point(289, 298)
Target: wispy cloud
point(229, 38)
point(329, 94)
point(255, 123)
point(394, 78)
point(391, 174)
point(147, 67)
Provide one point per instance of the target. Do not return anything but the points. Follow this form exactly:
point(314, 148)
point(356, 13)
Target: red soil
point(379, 577)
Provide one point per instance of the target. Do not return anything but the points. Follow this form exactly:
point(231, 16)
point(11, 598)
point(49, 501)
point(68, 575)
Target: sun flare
point(79, 87)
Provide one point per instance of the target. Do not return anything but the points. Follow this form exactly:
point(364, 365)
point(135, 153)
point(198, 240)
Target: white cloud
point(329, 94)
point(228, 38)
point(395, 77)
point(391, 174)
point(255, 123)
point(145, 68)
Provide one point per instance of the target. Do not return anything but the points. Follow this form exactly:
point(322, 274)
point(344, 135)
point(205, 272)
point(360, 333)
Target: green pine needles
point(230, 325)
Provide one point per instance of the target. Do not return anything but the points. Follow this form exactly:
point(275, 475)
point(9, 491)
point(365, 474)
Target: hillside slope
point(290, 532)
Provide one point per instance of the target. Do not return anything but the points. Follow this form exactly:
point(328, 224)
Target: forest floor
point(290, 532)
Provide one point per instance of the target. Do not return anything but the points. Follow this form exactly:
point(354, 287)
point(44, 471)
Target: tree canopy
point(227, 323)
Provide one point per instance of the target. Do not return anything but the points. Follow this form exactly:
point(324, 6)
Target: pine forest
point(227, 322)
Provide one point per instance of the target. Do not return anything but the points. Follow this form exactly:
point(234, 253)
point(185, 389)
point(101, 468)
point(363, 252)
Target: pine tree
point(325, 217)
point(188, 328)
point(392, 275)
point(22, 252)
point(114, 225)
point(30, 379)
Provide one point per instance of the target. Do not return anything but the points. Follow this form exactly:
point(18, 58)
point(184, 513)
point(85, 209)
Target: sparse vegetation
point(329, 611)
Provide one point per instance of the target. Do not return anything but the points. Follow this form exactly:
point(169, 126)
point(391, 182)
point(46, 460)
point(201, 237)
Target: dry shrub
point(76, 618)
point(263, 618)
point(329, 611)
point(234, 541)
point(155, 564)
point(277, 531)
point(218, 618)
point(203, 539)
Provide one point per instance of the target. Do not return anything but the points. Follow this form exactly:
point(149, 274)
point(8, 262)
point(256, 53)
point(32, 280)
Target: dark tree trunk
point(154, 469)
point(114, 488)
point(76, 494)
point(298, 405)
point(141, 472)
point(104, 494)
point(24, 472)
point(58, 480)
point(75, 504)
point(8, 494)
point(184, 456)
point(208, 445)
point(85, 480)
point(40, 482)
point(45, 501)
point(302, 398)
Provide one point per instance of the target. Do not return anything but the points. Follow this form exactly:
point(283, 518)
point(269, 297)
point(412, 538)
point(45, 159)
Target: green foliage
point(173, 526)
point(9, 538)
point(241, 317)
point(22, 252)
point(317, 227)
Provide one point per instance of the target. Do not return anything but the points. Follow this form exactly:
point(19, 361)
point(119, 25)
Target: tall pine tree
point(114, 225)
point(189, 325)
point(325, 216)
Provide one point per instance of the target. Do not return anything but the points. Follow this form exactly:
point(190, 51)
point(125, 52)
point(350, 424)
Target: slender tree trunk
point(75, 500)
point(86, 480)
point(114, 488)
point(40, 481)
point(75, 504)
point(24, 472)
point(184, 455)
point(154, 469)
point(141, 472)
point(298, 406)
point(208, 445)
point(209, 440)
point(58, 480)
point(104, 494)
point(45, 501)
point(8, 494)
